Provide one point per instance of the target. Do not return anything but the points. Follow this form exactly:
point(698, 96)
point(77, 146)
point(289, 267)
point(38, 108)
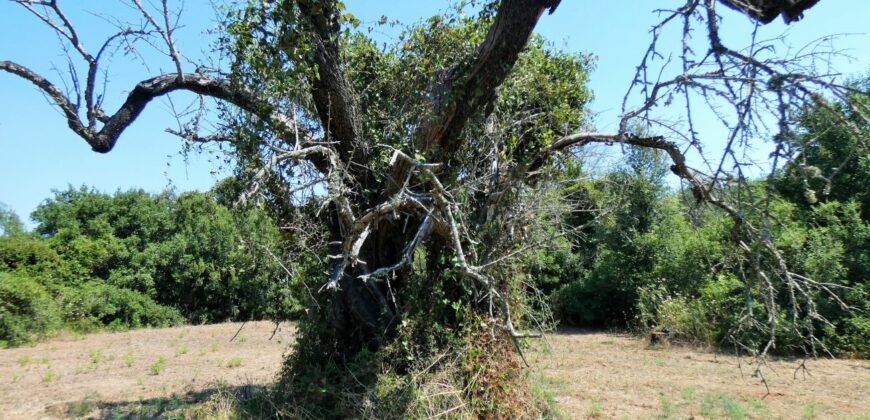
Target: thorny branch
point(165, 32)
point(755, 94)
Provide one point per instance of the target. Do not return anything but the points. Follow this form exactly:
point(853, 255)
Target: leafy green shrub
point(158, 366)
point(27, 310)
point(606, 296)
point(850, 336)
point(135, 259)
point(94, 304)
point(573, 304)
point(26, 253)
point(687, 319)
point(189, 252)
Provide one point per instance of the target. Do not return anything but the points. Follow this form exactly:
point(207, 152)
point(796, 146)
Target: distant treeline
point(652, 257)
point(134, 259)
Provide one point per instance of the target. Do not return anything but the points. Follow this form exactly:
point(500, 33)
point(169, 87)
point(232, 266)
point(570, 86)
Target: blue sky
point(39, 153)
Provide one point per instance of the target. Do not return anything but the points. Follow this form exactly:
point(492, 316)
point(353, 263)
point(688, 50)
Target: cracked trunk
point(364, 313)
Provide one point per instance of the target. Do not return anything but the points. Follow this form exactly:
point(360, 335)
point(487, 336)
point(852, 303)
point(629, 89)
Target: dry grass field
point(136, 373)
point(598, 375)
point(590, 375)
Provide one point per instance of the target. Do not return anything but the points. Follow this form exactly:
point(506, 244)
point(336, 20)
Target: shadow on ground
point(222, 399)
point(569, 331)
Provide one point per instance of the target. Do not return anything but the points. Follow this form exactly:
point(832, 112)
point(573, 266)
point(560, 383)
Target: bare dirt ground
point(589, 375)
point(598, 375)
point(132, 372)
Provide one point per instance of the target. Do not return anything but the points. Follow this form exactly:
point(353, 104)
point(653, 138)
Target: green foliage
point(134, 259)
point(836, 249)
point(157, 367)
point(188, 252)
point(93, 305)
point(833, 162)
point(657, 260)
point(204, 268)
point(619, 250)
point(681, 273)
point(27, 310)
point(33, 308)
point(27, 253)
point(10, 223)
point(704, 319)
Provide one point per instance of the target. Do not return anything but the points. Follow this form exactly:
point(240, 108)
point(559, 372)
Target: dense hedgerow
point(659, 259)
point(134, 259)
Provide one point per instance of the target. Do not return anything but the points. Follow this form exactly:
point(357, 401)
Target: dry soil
point(588, 374)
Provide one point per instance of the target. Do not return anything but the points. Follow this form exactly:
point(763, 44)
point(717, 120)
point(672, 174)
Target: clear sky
point(39, 153)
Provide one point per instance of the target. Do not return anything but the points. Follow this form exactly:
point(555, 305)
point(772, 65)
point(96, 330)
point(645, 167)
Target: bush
point(688, 319)
point(606, 296)
point(26, 253)
point(188, 252)
point(94, 304)
point(134, 259)
point(27, 311)
point(850, 337)
point(32, 309)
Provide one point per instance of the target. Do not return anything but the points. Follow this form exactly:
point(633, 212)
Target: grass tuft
point(157, 366)
point(733, 409)
point(128, 359)
point(596, 409)
point(96, 356)
point(23, 360)
point(49, 376)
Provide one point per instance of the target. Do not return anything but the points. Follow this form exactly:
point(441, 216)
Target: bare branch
point(104, 140)
point(165, 32)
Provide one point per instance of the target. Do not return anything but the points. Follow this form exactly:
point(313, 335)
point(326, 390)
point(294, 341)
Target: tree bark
point(765, 11)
